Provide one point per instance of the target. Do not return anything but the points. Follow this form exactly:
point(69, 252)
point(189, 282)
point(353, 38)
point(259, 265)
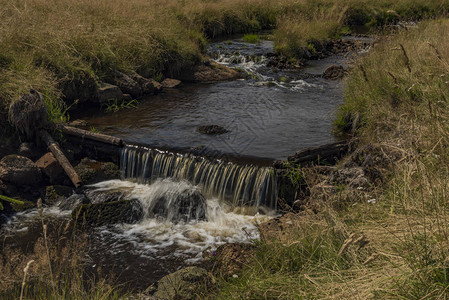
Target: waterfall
point(239, 185)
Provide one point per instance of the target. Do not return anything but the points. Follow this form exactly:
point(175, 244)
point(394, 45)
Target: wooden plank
point(107, 139)
point(53, 146)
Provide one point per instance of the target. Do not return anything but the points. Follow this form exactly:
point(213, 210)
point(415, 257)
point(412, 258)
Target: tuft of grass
point(251, 38)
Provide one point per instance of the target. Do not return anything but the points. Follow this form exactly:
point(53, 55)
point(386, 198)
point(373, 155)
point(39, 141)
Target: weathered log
point(53, 146)
point(329, 153)
point(92, 135)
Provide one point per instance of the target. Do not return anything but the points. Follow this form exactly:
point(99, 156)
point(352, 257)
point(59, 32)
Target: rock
point(96, 197)
point(123, 211)
point(209, 72)
point(73, 201)
point(127, 84)
point(334, 72)
point(185, 206)
point(107, 92)
point(183, 284)
point(148, 86)
point(79, 123)
point(26, 150)
point(127, 98)
point(28, 114)
point(212, 129)
point(56, 193)
point(80, 89)
point(20, 171)
point(92, 171)
point(170, 83)
point(51, 167)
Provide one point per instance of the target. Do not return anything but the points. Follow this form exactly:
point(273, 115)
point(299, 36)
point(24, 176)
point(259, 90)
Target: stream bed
point(271, 114)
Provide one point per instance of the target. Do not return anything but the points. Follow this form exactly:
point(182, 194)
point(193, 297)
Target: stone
point(189, 205)
point(20, 171)
point(183, 284)
point(123, 211)
point(148, 86)
point(28, 114)
point(127, 98)
point(51, 167)
point(209, 72)
point(212, 129)
point(107, 92)
point(334, 72)
point(353, 177)
point(127, 84)
point(92, 171)
point(79, 123)
point(26, 150)
point(79, 90)
point(73, 201)
point(56, 193)
point(169, 83)
point(96, 197)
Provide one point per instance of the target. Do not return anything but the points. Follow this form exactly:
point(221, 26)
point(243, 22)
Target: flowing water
point(272, 114)
point(193, 204)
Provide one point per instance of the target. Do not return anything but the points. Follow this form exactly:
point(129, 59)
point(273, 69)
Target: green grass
point(251, 38)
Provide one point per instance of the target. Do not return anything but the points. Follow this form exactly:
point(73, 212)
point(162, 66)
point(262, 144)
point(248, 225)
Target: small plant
point(115, 105)
point(251, 38)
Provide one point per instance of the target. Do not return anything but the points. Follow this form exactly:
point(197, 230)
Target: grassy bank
point(48, 44)
point(396, 98)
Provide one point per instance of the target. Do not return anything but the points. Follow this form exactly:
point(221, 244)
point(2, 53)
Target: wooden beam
point(53, 146)
point(92, 135)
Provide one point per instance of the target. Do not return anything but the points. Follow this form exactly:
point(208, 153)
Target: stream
point(271, 114)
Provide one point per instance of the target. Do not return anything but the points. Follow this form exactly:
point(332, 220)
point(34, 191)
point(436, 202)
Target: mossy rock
point(16, 207)
point(55, 193)
point(92, 171)
point(99, 214)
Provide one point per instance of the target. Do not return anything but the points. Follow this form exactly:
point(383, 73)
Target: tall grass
point(397, 97)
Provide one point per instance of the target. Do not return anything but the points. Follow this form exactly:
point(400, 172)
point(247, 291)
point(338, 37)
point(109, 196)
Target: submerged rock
point(170, 83)
point(96, 197)
point(183, 284)
point(73, 201)
point(186, 206)
point(20, 171)
point(209, 72)
point(212, 129)
point(123, 211)
point(334, 72)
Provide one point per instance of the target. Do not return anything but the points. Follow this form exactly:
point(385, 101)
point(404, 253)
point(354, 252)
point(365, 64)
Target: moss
point(54, 193)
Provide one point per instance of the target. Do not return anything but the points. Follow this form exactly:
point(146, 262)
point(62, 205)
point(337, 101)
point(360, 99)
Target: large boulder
point(51, 167)
point(183, 284)
point(20, 171)
point(95, 196)
point(148, 86)
point(123, 211)
point(185, 206)
point(92, 171)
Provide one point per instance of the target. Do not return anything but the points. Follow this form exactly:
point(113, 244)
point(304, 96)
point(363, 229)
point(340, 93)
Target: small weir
point(238, 185)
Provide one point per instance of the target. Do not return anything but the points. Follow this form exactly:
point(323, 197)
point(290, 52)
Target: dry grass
point(400, 97)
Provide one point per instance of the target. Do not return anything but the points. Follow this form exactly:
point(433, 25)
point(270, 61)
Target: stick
point(92, 135)
point(59, 155)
